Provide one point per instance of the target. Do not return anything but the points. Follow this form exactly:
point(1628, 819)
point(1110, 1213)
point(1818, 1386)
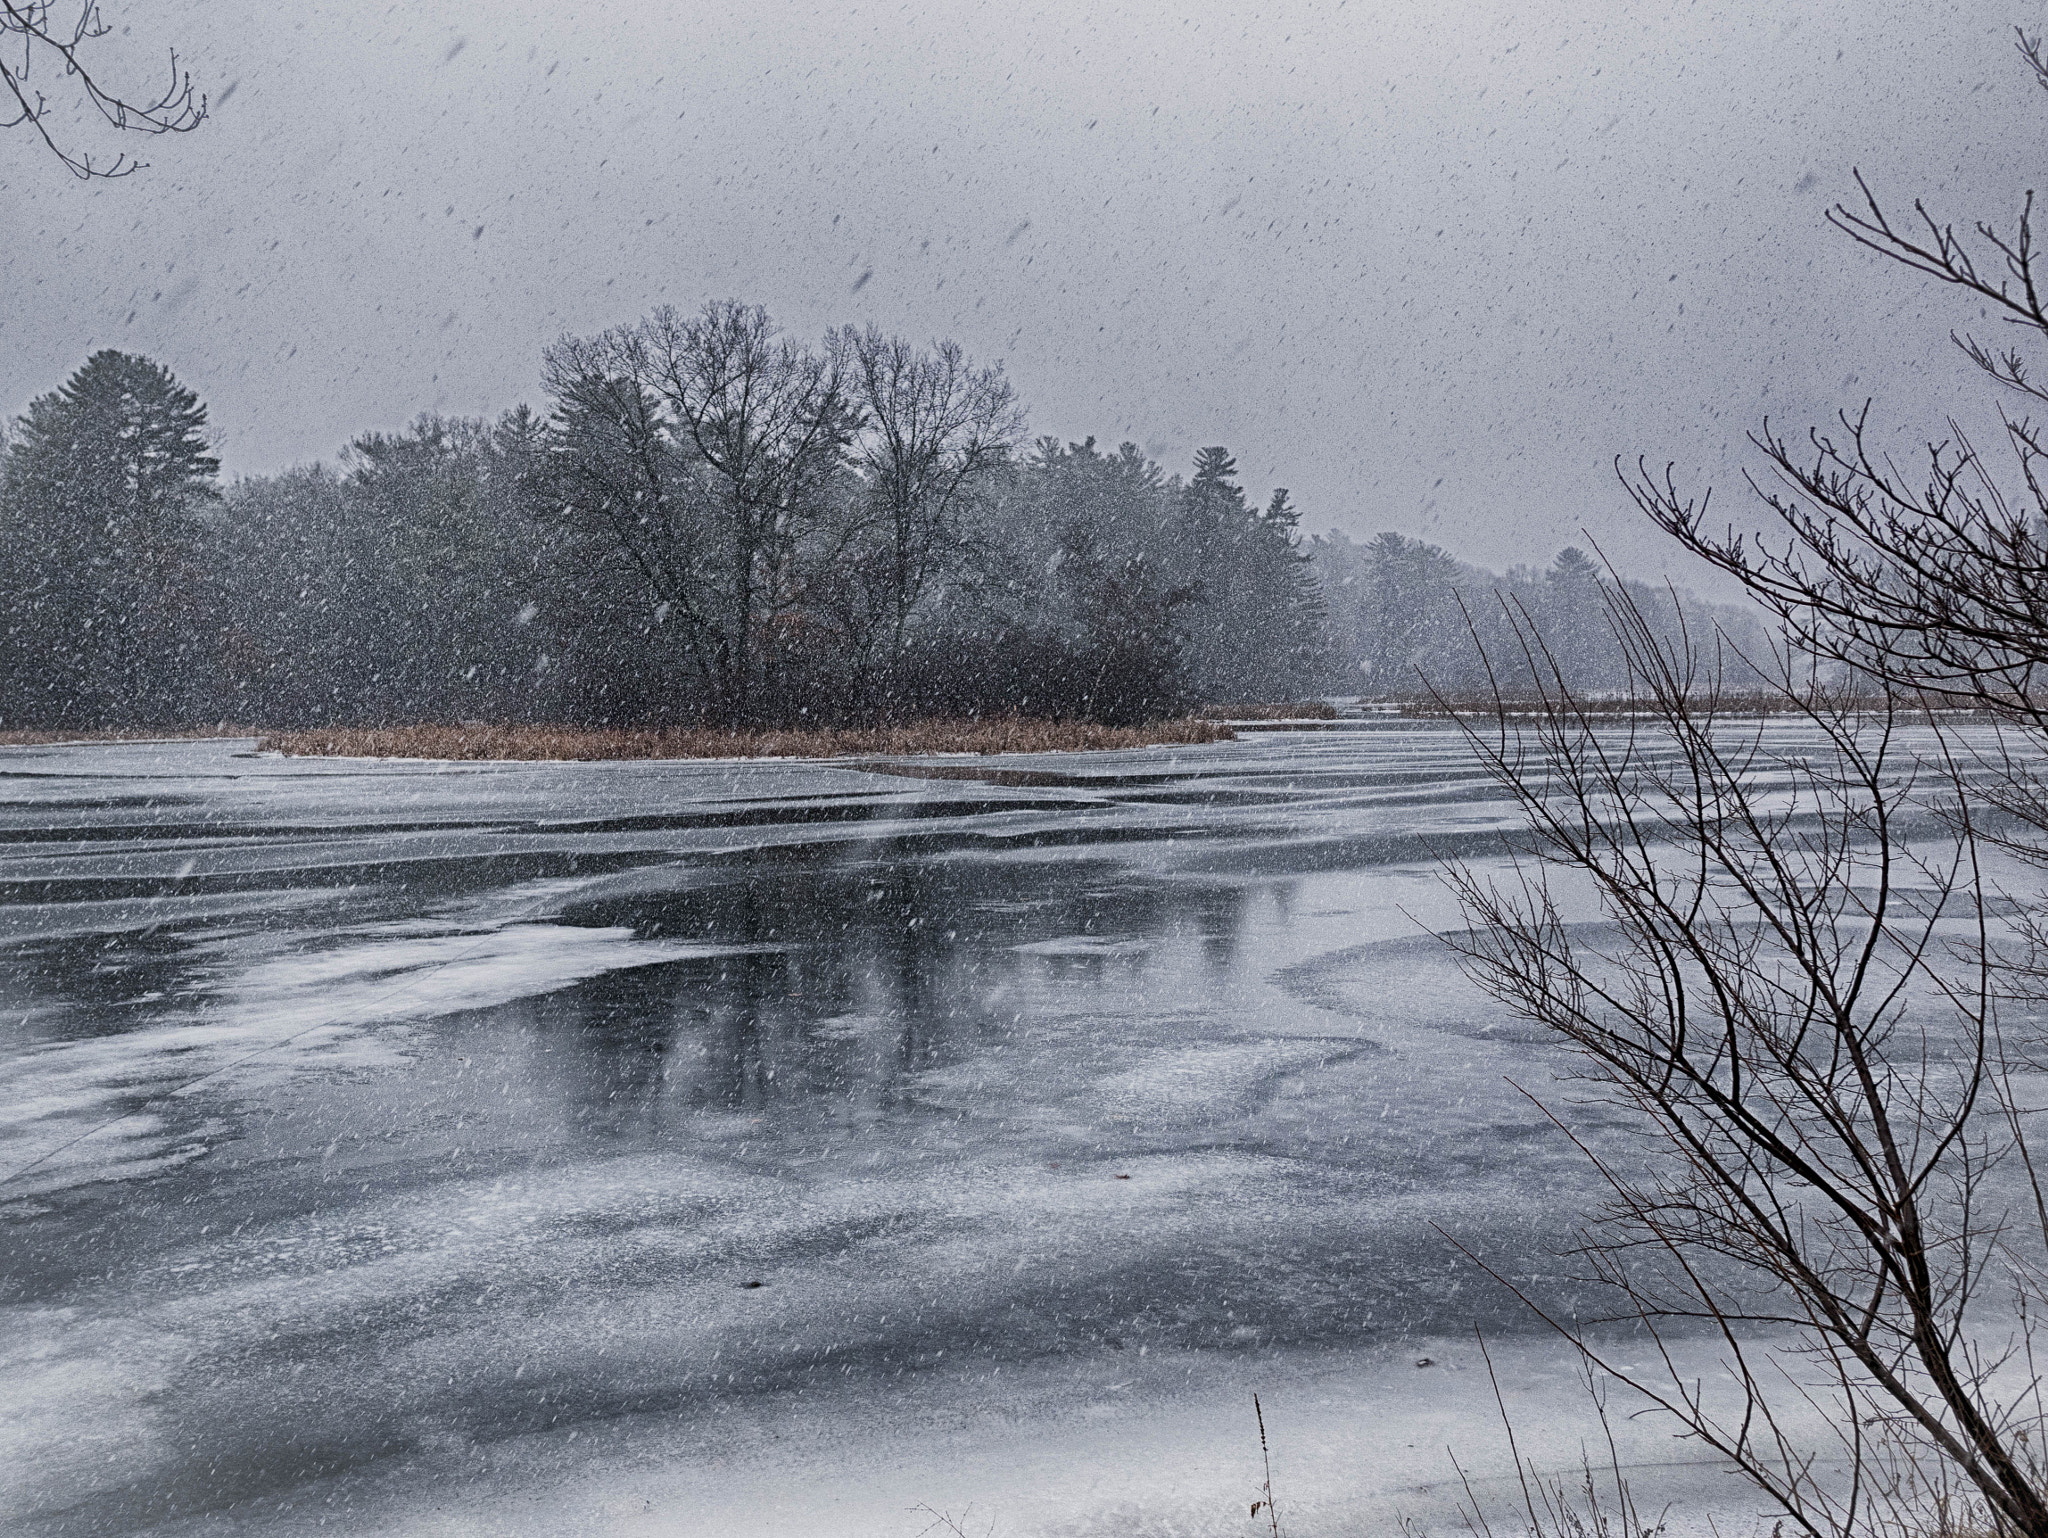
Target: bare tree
point(934, 429)
point(712, 450)
point(35, 34)
point(615, 472)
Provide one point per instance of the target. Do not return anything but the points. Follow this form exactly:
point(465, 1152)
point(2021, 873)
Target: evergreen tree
point(1088, 540)
point(1573, 621)
point(1409, 617)
point(1215, 471)
point(412, 580)
point(1255, 631)
point(107, 483)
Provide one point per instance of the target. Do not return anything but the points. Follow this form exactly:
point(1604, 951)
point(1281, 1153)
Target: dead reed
point(1008, 734)
point(1729, 706)
point(1271, 710)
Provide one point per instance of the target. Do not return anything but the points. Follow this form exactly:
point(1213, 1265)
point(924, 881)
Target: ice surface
point(771, 1148)
point(254, 1017)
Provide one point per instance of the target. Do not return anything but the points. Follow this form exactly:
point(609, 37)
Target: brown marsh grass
point(1009, 734)
point(1728, 706)
point(1272, 710)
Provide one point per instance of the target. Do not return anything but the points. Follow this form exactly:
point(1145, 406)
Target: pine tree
point(1214, 468)
point(1574, 619)
point(1255, 632)
point(106, 482)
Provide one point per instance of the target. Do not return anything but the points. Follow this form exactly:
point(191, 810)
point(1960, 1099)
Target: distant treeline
point(712, 523)
point(1406, 617)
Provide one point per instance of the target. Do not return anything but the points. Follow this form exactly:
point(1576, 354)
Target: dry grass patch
point(1272, 710)
point(585, 744)
point(1727, 706)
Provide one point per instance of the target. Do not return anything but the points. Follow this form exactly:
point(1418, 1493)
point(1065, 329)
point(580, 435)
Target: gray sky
point(1432, 266)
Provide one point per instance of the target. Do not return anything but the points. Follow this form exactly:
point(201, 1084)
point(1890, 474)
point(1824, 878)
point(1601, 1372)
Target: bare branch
point(34, 38)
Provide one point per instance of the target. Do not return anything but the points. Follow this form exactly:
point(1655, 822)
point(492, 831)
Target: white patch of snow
point(1085, 945)
point(61, 1102)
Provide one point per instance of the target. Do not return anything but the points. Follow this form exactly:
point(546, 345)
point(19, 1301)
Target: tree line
point(711, 522)
point(1406, 616)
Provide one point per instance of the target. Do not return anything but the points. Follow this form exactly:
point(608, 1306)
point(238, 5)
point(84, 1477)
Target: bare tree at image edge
point(1793, 999)
point(1794, 992)
point(1937, 585)
point(39, 35)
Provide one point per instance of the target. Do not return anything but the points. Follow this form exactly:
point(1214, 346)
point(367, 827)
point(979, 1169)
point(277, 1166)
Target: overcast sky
point(1431, 266)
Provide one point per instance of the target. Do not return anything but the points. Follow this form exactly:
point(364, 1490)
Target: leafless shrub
point(1265, 1503)
point(1794, 997)
point(1595, 1502)
point(1930, 581)
point(944, 1522)
point(1796, 993)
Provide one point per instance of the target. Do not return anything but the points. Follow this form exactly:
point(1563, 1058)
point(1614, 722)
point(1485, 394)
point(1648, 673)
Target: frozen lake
point(779, 1148)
